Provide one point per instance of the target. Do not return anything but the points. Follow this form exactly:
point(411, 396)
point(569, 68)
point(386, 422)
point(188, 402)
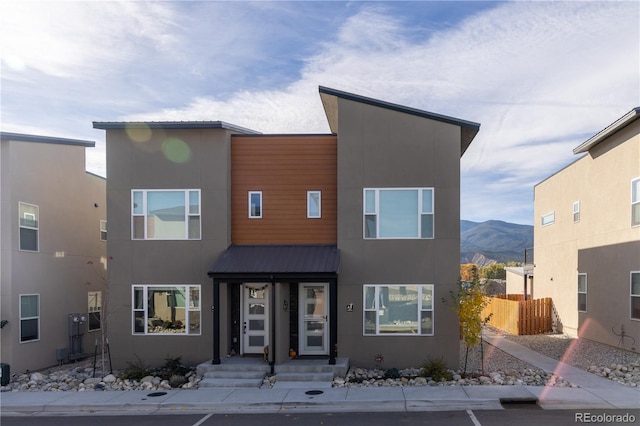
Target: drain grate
point(520, 403)
point(314, 392)
point(156, 394)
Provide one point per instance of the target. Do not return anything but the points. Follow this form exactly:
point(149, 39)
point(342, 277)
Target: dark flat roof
point(110, 125)
point(277, 259)
point(21, 137)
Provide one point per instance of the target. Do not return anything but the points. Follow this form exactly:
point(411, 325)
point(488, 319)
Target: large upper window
point(165, 214)
point(28, 217)
point(582, 292)
point(635, 295)
point(166, 309)
point(398, 213)
point(95, 310)
point(635, 202)
point(400, 309)
point(29, 317)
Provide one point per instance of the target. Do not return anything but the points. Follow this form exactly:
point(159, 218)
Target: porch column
point(333, 320)
point(216, 321)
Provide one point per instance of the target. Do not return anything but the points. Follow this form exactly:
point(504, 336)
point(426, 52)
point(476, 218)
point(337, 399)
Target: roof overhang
point(614, 127)
point(115, 125)
point(276, 261)
point(329, 97)
point(20, 137)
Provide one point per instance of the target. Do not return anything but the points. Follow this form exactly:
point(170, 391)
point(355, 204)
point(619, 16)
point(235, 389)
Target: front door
point(255, 325)
point(313, 319)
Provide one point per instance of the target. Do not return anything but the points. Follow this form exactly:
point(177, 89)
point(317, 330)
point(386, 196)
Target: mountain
point(493, 241)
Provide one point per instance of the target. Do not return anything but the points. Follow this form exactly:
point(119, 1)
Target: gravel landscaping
point(500, 369)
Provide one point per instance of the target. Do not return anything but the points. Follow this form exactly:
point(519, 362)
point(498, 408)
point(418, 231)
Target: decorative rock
point(109, 378)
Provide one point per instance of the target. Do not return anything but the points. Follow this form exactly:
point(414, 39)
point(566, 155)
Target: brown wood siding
point(284, 168)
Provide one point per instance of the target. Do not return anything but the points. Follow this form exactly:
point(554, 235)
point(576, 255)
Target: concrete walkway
point(593, 393)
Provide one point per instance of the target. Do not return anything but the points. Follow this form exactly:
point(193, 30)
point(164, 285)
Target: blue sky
point(540, 77)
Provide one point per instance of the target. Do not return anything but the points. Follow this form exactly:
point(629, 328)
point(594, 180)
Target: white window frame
point(376, 213)
point(36, 228)
point(633, 295)
point(635, 201)
point(309, 198)
point(94, 305)
point(576, 211)
point(36, 317)
point(103, 230)
point(378, 309)
point(190, 306)
point(187, 213)
point(586, 297)
point(250, 213)
point(548, 218)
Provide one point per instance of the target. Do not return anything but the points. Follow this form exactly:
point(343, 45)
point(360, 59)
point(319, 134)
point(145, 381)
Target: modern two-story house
point(53, 235)
point(587, 237)
point(227, 242)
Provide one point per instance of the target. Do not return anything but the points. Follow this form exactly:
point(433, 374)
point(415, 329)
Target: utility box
point(5, 374)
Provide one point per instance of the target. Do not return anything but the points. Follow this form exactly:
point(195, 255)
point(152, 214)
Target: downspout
point(272, 349)
point(216, 321)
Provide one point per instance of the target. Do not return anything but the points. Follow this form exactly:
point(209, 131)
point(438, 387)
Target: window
point(398, 213)
point(576, 212)
point(399, 309)
point(166, 309)
point(635, 202)
point(582, 292)
point(314, 204)
point(635, 295)
point(29, 217)
point(548, 218)
point(103, 230)
point(255, 204)
point(165, 214)
point(29, 317)
point(95, 310)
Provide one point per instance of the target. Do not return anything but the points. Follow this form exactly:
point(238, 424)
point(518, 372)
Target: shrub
point(392, 373)
point(136, 370)
point(437, 369)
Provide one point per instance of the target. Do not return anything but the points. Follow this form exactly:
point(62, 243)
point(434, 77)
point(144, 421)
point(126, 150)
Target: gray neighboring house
point(231, 243)
point(52, 223)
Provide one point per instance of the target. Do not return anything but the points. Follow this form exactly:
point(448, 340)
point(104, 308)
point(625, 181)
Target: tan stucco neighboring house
point(587, 237)
point(52, 222)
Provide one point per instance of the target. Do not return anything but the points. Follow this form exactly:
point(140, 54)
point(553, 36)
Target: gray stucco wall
point(381, 148)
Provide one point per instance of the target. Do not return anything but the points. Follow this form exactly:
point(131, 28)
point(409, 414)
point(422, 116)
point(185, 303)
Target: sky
point(540, 77)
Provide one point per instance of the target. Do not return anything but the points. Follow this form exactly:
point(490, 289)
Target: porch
point(250, 372)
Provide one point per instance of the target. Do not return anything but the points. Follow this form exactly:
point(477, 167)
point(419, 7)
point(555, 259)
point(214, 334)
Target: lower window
point(635, 295)
point(29, 317)
point(582, 292)
point(166, 309)
point(95, 310)
point(398, 309)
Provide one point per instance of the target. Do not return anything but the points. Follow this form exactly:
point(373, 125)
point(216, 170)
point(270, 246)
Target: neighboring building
point(53, 222)
point(238, 243)
point(587, 237)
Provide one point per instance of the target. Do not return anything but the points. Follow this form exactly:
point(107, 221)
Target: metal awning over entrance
point(272, 264)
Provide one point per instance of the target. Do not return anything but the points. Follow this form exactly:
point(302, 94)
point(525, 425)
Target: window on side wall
point(635, 202)
point(314, 204)
point(398, 309)
point(635, 295)
point(29, 217)
point(548, 218)
point(103, 230)
point(29, 317)
point(166, 309)
point(398, 213)
point(95, 310)
point(165, 214)
point(582, 292)
point(255, 204)
point(576, 212)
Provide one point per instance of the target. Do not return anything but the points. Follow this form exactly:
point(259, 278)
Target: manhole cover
point(157, 394)
point(314, 392)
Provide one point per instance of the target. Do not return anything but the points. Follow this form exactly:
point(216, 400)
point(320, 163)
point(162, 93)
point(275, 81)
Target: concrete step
point(304, 377)
point(302, 385)
point(203, 368)
point(230, 383)
point(221, 374)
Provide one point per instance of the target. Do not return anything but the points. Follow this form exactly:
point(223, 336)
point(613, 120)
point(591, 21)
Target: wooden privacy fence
point(519, 316)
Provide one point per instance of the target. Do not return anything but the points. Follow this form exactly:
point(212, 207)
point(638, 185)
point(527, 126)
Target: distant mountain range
point(493, 241)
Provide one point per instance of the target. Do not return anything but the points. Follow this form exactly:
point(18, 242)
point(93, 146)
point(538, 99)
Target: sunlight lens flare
point(139, 133)
point(176, 150)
